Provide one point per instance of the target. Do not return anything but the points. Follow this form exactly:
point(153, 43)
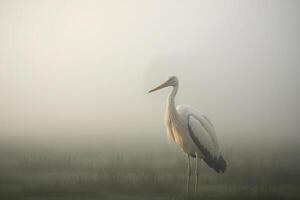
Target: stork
point(193, 132)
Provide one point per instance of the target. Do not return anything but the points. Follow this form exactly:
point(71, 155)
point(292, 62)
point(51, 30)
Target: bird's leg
point(196, 174)
point(188, 175)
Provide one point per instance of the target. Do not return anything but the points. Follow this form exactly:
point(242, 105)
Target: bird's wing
point(200, 132)
point(204, 137)
point(198, 119)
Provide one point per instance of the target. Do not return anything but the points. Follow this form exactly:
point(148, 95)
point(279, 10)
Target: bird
point(193, 132)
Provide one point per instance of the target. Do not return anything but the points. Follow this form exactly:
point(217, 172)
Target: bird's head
point(172, 81)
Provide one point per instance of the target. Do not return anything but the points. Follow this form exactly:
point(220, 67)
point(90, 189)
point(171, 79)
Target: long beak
point(163, 85)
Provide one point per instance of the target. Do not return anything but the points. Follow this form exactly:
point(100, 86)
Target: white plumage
point(192, 131)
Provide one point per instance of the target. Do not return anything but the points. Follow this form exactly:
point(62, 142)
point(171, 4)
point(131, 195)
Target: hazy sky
point(86, 65)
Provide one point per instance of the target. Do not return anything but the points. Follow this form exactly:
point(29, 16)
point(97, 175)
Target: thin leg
point(196, 174)
point(188, 175)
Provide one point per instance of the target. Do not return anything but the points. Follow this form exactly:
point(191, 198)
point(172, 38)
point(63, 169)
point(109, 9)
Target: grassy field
point(160, 174)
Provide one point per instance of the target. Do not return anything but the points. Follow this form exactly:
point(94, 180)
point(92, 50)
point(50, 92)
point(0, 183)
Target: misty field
point(158, 172)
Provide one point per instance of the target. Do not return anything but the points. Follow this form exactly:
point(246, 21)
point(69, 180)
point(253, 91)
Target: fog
point(82, 69)
point(77, 121)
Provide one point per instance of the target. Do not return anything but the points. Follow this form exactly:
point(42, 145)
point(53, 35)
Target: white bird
point(192, 131)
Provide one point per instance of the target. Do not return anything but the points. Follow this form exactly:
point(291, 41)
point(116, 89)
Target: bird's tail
point(221, 164)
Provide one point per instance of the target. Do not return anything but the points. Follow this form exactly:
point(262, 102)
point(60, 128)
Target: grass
point(161, 175)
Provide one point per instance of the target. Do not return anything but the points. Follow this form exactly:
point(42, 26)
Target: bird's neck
point(171, 108)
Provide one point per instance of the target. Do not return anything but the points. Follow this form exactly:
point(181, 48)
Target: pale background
point(79, 71)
